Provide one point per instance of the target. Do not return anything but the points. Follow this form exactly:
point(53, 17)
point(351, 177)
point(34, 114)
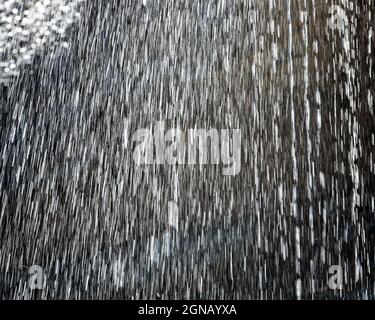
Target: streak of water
point(297, 77)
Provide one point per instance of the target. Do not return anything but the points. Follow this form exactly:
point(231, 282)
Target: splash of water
point(27, 26)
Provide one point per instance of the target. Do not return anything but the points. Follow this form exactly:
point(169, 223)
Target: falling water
point(296, 77)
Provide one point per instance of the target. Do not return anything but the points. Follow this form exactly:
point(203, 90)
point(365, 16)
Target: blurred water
point(295, 76)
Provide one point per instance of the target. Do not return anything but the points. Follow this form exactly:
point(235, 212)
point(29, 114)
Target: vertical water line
point(293, 136)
